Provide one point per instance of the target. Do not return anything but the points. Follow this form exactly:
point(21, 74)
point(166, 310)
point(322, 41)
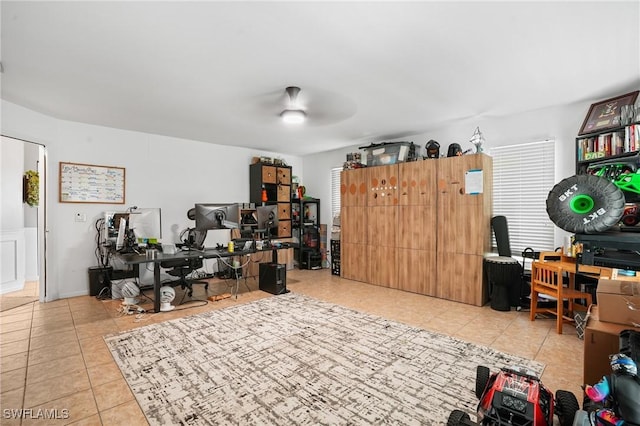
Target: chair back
point(546, 278)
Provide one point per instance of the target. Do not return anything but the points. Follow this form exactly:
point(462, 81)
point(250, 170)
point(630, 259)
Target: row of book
point(608, 144)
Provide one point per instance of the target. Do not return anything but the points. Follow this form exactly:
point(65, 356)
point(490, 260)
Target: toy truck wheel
point(585, 204)
point(458, 418)
point(630, 220)
point(482, 378)
point(566, 407)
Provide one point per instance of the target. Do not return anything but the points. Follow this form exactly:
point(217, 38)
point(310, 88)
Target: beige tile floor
point(53, 356)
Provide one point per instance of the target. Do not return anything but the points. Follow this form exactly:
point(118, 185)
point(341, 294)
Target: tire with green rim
point(585, 204)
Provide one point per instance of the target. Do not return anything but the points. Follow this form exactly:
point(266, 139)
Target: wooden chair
point(546, 278)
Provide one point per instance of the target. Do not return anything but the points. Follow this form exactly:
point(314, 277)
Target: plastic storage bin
point(385, 153)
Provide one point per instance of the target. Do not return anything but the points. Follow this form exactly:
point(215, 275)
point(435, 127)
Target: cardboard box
point(619, 301)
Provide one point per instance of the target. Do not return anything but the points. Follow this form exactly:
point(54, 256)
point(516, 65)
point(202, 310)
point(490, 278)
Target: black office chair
point(183, 268)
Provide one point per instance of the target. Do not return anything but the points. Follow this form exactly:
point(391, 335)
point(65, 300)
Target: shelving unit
point(612, 144)
point(306, 227)
point(276, 183)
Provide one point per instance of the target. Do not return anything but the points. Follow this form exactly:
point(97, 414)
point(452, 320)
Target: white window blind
point(523, 175)
point(335, 192)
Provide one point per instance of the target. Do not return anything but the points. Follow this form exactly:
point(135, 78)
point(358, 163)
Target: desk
point(137, 259)
point(572, 268)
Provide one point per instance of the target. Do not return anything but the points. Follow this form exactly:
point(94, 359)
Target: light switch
point(81, 217)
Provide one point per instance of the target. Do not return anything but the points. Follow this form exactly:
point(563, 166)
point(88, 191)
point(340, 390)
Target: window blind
point(335, 192)
point(523, 175)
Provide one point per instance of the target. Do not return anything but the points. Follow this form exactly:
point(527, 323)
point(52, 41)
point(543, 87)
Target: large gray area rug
point(291, 359)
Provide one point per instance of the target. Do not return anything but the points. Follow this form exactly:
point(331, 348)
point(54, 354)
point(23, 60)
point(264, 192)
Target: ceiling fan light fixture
point(293, 116)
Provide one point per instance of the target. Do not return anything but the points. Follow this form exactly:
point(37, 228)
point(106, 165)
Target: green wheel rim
point(581, 204)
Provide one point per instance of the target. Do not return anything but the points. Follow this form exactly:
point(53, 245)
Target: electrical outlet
point(81, 217)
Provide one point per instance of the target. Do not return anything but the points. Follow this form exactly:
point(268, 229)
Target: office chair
point(182, 268)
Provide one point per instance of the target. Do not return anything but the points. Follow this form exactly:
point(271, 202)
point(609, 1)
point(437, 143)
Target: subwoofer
point(99, 278)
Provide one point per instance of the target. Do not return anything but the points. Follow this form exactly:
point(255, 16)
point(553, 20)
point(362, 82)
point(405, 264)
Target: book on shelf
point(608, 144)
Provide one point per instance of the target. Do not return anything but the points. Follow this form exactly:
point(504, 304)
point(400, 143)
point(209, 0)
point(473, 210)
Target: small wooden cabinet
point(274, 182)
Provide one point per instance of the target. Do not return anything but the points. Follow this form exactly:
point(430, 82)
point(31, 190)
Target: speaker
point(99, 278)
point(273, 278)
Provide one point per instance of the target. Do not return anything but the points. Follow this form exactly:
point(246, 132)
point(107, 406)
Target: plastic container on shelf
point(385, 153)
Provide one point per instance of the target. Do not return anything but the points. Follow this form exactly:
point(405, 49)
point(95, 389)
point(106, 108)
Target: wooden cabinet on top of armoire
point(464, 226)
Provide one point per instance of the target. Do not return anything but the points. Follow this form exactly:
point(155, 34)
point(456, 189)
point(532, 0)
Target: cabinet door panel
point(460, 278)
point(417, 271)
point(269, 174)
point(353, 187)
point(382, 226)
point(284, 211)
point(284, 193)
point(383, 269)
point(417, 183)
point(417, 227)
point(354, 262)
point(284, 175)
point(464, 219)
point(383, 186)
point(353, 226)
point(284, 228)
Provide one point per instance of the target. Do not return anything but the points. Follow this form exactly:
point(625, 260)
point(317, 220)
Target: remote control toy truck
point(515, 396)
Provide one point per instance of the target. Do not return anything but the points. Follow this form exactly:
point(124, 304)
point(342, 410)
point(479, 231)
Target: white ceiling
point(369, 71)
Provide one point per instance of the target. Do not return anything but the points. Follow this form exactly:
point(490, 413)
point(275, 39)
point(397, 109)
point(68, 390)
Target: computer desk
point(159, 257)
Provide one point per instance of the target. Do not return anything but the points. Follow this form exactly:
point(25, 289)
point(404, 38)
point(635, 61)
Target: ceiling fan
point(293, 114)
point(316, 107)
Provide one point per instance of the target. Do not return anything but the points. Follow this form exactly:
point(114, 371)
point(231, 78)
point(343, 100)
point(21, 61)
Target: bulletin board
point(89, 183)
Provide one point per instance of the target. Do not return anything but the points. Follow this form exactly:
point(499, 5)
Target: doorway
point(23, 235)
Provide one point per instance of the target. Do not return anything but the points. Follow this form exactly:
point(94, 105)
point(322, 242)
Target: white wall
point(12, 233)
point(560, 123)
point(164, 172)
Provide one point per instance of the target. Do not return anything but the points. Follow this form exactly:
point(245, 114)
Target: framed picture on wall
point(90, 183)
point(605, 114)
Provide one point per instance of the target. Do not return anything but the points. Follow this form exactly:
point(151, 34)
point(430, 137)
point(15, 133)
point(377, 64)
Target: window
point(523, 175)
point(335, 192)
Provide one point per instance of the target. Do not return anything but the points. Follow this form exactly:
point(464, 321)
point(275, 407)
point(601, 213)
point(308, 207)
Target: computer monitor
point(146, 224)
point(122, 231)
point(217, 216)
point(268, 219)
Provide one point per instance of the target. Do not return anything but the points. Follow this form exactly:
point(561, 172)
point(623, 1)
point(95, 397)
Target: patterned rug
point(291, 359)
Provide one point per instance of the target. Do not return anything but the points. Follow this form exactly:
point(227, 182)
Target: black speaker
point(99, 278)
point(273, 278)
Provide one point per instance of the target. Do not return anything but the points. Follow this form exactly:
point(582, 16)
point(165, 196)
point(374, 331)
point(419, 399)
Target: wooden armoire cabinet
point(353, 220)
point(421, 226)
point(464, 226)
point(417, 227)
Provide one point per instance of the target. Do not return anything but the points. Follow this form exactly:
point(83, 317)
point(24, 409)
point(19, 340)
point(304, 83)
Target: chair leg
point(534, 305)
point(559, 313)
